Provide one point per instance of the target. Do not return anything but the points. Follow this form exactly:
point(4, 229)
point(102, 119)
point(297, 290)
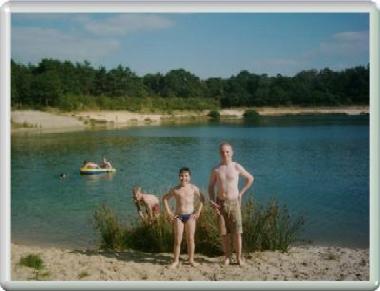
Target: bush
point(251, 115)
point(265, 228)
point(214, 115)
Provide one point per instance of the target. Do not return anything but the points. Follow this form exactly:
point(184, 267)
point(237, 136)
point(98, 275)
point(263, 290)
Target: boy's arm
point(248, 179)
point(165, 200)
point(139, 211)
point(201, 202)
point(149, 210)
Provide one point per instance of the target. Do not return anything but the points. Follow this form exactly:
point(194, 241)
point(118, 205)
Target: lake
point(318, 166)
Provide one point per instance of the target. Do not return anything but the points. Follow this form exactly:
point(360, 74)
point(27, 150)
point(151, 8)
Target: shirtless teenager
point(149, 201)
point(185, 215)
point(227, 200)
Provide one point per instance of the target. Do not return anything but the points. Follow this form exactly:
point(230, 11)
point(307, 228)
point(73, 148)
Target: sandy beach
point(300, 263)
point(39, 121)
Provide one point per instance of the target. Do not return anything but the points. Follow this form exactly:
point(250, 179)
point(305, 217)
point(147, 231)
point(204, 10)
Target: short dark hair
point(184, 169)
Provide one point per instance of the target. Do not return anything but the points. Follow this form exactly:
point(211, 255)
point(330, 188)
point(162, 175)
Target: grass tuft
point(32, 261)
point(265, 228)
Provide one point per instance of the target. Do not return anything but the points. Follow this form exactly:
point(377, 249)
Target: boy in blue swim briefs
point(185, 216)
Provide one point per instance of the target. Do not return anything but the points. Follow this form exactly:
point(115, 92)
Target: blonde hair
point(136, 189)
point(224, 143)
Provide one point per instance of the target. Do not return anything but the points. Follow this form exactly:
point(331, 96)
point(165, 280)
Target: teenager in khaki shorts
point(224, 180)
point(229, 219)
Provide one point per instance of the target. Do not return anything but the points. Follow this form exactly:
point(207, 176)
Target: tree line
point(72, 86)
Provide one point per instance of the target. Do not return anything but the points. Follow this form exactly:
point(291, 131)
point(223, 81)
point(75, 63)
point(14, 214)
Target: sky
point(206, 44)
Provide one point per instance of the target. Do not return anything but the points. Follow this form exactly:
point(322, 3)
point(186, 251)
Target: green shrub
point(214, 115)
point(265, 228)
point(251, 115)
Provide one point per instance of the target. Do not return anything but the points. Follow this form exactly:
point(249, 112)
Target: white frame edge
point(173, 6)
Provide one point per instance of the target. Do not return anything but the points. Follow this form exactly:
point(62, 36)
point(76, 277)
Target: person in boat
point(90, 165)
point(185, 216)
point(106, 164)
point(148, 201)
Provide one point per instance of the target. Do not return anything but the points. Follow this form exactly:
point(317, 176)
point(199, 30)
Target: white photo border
point(178, 6)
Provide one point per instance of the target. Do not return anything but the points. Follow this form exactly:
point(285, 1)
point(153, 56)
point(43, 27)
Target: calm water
point(317, 165)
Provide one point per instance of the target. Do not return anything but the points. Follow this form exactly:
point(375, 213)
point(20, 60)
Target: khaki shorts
point(229, 219)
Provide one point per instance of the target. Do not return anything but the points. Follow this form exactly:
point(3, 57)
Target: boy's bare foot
point(174, 265)
point(193, 264)
point(226, 261)
point(241, 262)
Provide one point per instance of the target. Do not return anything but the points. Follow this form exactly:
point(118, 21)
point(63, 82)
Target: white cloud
point(122, 24)
point(349, 43)
point(32, 43)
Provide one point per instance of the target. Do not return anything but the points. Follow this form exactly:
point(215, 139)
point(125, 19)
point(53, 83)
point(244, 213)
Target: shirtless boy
point(149, 201)
point(227, 200)
point(185, 215)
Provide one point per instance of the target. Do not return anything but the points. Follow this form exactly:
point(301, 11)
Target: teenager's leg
point(226, 240)
point(190, 231)
point(178, 232)
point(238, 248)
point(225, 237)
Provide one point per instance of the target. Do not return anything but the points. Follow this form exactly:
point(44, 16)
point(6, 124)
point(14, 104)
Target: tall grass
point(268, 227)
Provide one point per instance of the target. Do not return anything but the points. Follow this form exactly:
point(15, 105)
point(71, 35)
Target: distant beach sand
point(302, 263)
point(34, 120)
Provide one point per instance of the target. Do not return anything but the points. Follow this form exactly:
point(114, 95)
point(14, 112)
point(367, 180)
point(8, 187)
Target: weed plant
point(36, 263)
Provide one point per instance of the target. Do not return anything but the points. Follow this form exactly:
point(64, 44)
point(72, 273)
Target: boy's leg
point(190, 231)
point(178, 231)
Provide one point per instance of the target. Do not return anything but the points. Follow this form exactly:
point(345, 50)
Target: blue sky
point(208, 44)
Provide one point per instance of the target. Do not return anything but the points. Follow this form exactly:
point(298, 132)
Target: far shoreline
point(53, 120)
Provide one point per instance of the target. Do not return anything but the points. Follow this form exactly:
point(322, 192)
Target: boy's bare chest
point(185, 194)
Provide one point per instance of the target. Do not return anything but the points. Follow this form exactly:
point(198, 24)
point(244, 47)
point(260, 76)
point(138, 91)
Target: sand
point(38, 121)
point(300, 263)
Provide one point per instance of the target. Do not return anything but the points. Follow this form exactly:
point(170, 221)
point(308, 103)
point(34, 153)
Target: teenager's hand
point(214, 205)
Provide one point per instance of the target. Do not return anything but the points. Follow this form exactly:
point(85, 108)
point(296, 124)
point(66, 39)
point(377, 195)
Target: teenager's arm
point(211, 186)
point(248, 179)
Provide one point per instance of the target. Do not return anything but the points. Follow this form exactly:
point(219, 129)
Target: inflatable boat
point(88, 171)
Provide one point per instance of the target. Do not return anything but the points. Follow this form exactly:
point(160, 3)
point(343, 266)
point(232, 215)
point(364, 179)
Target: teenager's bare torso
point(227, 180)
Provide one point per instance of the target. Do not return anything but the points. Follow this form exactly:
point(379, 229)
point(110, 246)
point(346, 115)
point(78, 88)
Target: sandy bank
point(34, 120)
point(300, 263)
